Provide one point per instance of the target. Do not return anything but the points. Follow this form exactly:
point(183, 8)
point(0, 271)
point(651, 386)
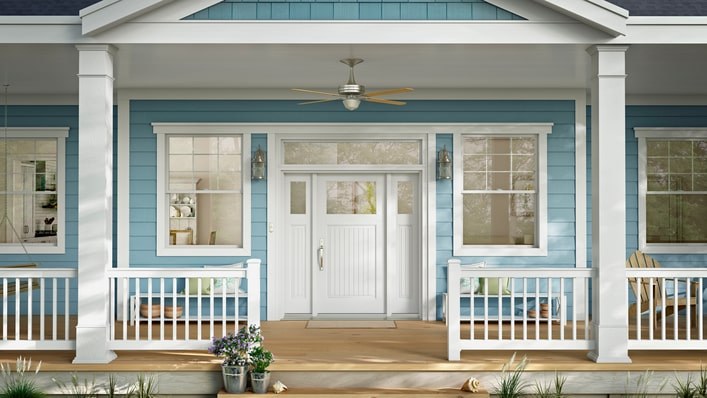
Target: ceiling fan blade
point(383, 101)
point(317, 101)
point(388, 92)
point(314, 92)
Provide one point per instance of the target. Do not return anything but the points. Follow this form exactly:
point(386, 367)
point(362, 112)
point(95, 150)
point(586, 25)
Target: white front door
point(349, 234)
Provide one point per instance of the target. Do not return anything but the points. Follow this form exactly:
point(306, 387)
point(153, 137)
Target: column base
point(611, 345)
point(92, 345)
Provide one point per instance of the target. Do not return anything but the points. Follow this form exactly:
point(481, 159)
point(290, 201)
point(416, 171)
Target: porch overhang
point(108, 13)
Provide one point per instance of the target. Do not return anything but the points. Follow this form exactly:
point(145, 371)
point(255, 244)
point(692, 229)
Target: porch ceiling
point(652, 69)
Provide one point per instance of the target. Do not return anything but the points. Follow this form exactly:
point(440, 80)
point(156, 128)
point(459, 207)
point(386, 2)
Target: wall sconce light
point(444, 165)
point(257, 165)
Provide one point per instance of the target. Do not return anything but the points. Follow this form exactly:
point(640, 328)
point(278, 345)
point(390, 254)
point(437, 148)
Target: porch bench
point(558, 315)
point(366, 393)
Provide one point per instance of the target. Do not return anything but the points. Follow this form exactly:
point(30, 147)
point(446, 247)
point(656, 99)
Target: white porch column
point(609, 306)
point(95, 202)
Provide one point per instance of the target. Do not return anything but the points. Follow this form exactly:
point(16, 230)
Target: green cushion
point(194, 285)
point(493, 286)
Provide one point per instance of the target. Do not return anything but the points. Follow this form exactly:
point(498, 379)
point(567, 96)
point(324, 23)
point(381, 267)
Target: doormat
point(351, 324)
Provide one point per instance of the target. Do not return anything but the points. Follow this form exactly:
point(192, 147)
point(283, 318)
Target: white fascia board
point(665, 30)
point(109, 13)
point(530, 10)
point(39, 29)
point(361, 32)
point(600, 14)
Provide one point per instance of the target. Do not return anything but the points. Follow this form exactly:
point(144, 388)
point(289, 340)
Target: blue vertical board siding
point(409, 10)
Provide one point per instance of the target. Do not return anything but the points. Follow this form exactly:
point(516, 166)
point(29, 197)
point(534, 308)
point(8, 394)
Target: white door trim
point(278, 133)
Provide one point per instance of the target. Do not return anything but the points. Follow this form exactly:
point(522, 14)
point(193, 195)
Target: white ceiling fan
point(352, 93)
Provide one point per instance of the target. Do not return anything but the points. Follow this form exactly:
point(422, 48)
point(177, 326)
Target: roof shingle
point(43, 7)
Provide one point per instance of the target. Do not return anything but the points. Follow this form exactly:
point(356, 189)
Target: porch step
point(363, 393)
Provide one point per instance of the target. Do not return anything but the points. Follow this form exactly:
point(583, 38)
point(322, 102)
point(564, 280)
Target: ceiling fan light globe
point(351, 103)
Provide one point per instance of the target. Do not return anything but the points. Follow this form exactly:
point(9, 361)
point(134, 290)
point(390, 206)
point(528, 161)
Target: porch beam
point(95, 202)
point(610, 309)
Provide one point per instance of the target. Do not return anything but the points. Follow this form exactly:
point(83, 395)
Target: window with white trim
point(500, 193)
point(673, 190)
point(203, 191)
point(32, 190)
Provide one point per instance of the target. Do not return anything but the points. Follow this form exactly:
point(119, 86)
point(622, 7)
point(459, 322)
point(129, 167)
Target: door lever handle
point(320, 251)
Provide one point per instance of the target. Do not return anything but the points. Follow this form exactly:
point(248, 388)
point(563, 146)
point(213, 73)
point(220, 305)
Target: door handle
point(320, 251)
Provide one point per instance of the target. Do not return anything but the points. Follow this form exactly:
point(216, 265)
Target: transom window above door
point(391, 152)
point(202, 180)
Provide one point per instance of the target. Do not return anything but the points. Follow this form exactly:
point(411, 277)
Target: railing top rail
point(38, 272)
point(177, 272)
point(666, 272)
point(517, 273)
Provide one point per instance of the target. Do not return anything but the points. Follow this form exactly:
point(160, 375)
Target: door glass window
point(351, 197)
point(405, 199)
point(298, 197)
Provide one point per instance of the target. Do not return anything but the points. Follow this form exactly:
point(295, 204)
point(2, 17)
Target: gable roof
point(44, 7)
point(682, 8)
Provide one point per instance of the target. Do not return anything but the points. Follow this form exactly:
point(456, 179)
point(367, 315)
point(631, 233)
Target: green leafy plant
point(146, 386)
point(20, 383)
point(260, 359)
point(235, 349)
point(511, 384)
point(641, 385)
point(78, 389)
point(684, 389)
point(701, 385)
point(552, 388)
point(112, 389)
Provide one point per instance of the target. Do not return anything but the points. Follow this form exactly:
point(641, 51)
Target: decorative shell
point(279, 387)
point(471, 385)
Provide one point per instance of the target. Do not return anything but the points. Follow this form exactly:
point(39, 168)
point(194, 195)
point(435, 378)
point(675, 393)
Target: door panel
point(349, 223)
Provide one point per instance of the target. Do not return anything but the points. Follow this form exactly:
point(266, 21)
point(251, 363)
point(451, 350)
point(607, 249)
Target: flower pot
point(234, 378)
point(260, 382)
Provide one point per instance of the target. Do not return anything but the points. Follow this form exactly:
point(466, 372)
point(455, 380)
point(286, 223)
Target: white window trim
point(541, 130)
point(163, 248)
point(60, 133)
point(643, 133)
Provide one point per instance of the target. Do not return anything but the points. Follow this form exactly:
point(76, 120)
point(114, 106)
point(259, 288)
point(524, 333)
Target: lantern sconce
point(444, 165)
point(257, 165)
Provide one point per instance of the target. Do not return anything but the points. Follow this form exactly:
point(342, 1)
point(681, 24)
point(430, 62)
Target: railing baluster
point(662, 310)
point(701, 312)
point(486, 310)
point(224, 309)
point(675, 308)
point(125, 284)
point(67, 312)
point(211, 305)
point(17, 311)
point(549, 308)
point(559, 308)
point(187, 313)
point(525, 308)
point(162, 307)
point(499, 305)
point(41, 309)
point(198, 309)
point(513, 309)
point(149, 309)
point(29, 308)
point(537, 308)
point(639, 307)
point(55, 292)
point(687, 312)
point(138, 303)
point(4, 308)
point(174, 308)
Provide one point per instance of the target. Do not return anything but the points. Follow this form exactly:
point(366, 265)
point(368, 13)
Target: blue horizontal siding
point(409, 10)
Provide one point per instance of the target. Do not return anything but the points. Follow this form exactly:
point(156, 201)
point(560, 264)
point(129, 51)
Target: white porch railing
point(656, 327)
point(180, 308)
point(36, 307)
point(517, 313)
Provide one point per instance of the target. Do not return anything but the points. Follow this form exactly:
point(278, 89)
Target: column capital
point(98, 47)
point(605, 48)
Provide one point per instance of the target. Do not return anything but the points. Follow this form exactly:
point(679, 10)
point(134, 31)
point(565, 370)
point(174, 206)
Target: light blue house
point(134, 130)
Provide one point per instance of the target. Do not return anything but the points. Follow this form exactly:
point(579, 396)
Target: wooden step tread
point(363, 393)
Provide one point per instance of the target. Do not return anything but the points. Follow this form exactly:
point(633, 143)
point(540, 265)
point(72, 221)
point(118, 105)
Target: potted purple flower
point(236, 349)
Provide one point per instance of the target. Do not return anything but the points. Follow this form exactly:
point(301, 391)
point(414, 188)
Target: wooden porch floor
point(412, 346)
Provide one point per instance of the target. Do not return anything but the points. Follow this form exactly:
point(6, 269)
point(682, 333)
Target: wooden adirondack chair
point(641, 260)
point(12, 289)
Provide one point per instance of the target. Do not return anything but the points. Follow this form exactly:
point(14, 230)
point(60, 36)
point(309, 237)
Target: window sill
point(31, 249)
point(500, 251)
point(675, 248)
point(203, 250)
